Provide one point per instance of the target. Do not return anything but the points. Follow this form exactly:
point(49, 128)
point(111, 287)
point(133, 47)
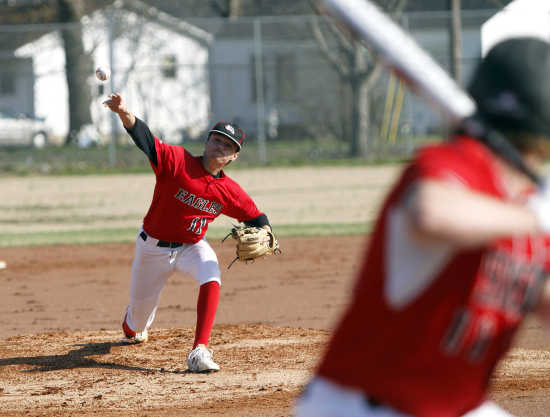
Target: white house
point(519, 18)
point(159, 64)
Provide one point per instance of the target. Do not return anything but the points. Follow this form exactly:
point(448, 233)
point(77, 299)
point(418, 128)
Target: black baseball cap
point(511, 86)
point(230, 130)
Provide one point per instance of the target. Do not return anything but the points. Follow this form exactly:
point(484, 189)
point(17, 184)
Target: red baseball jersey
point(187, 198)
point(429, 322)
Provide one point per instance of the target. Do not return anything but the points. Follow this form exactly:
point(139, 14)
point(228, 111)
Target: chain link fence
point(301, 90)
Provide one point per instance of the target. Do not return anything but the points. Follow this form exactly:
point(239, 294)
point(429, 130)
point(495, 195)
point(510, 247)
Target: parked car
point(22, 129)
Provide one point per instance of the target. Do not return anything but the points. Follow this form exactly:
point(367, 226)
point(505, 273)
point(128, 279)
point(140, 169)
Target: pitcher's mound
point(263, 368)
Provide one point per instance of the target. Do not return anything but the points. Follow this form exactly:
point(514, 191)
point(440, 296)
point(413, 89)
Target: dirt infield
point(60, 353)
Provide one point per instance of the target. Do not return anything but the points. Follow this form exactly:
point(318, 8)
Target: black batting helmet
point(511, 86)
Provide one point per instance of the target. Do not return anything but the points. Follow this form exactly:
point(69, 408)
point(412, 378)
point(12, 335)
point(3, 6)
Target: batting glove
point(539, 203)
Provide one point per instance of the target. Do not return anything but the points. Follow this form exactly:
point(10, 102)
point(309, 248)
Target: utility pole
point(112, 64)
point(456, 40)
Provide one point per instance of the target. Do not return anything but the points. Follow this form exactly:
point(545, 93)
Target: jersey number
point(197, 224)
point(480, 331)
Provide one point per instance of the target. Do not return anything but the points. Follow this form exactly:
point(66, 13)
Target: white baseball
point(102, 74)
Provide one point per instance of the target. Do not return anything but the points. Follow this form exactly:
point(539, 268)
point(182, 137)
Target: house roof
point(170, 13)
point(173, 23)
point(15, 30)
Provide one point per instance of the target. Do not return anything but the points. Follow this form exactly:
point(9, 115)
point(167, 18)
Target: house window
point(169, 68)
point(7, 83)
point(286, 77)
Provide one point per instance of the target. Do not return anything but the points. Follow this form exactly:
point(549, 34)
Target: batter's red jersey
point(187, 198)
point(428, 322)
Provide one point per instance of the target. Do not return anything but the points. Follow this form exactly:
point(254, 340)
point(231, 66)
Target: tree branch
point(343, 37)
point(332, 57)
point(374, 74)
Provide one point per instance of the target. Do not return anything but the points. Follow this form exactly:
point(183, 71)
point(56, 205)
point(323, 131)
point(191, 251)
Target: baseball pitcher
point(190, 192)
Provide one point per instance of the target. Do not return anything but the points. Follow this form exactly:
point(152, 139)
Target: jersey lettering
point(180, 195)
point(508, 287)
point(189, 200)
point(452, 342)
point(483, 338)
point(215, 208)
point(197, 224)
point(198, 202)
point(469, 334)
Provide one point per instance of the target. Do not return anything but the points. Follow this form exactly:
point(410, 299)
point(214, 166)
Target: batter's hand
point(539, 203)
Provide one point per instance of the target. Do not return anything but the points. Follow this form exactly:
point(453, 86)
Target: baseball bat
point(401, 54)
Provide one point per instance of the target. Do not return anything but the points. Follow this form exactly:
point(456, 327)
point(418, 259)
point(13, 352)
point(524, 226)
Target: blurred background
point(296, 83)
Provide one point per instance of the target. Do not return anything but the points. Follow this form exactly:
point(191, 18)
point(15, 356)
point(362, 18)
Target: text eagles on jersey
point(198, 202)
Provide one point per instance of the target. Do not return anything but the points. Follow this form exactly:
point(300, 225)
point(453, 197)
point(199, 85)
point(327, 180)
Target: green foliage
point(71, 160)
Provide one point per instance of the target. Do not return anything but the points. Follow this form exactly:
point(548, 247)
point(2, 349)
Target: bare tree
point(356, 68)
point(78, 66)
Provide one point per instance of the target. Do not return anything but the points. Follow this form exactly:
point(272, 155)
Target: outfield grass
point(299, 201)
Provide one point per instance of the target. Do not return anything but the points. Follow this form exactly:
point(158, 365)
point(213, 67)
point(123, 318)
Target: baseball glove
point(252, 243)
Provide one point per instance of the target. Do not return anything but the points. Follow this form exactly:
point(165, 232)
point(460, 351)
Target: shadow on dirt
point(77, 358)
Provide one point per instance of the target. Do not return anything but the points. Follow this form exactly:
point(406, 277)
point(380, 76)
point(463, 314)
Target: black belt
point(163, 243)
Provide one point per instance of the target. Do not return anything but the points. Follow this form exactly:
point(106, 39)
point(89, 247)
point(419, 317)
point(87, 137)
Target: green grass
point(71, 160)
point(83, 237)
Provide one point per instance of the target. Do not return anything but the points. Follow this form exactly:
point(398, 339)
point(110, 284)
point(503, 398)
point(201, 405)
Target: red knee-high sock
point(207, 305)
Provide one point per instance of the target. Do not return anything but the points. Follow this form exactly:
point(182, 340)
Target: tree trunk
point(354, 147)
point(77, 69)
point(228, 8)
point(364, 118)
point(235, 8)
point(360, 109)
point(359, 118)
point(456, 40)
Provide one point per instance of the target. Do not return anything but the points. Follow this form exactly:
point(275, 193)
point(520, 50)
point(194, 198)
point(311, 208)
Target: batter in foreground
point(190, 192)
point(459, 255)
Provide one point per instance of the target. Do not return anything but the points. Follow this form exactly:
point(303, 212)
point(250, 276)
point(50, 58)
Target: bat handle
point(497, 142)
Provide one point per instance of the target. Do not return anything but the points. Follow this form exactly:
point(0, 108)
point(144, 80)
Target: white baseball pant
point(323, 398)
point(153, 265)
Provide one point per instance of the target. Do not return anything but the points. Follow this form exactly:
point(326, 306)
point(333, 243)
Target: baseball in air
point(102, 74)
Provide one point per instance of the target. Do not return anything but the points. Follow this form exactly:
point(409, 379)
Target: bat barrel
point(401, 54)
